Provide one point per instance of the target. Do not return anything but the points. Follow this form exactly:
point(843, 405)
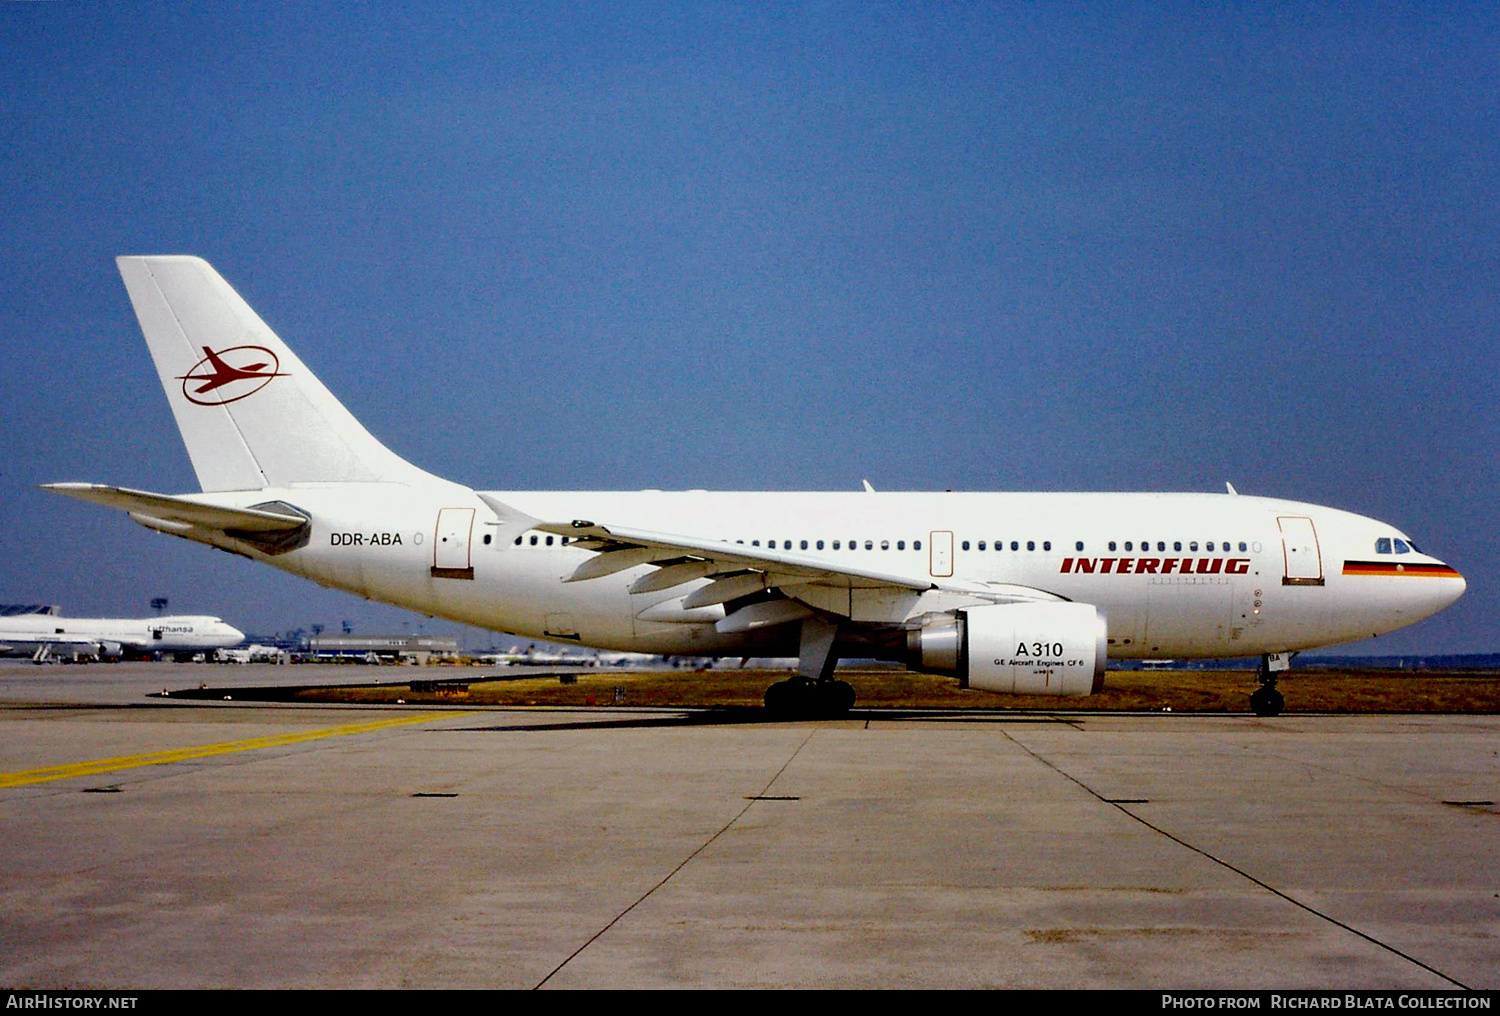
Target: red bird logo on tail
point(228, 383)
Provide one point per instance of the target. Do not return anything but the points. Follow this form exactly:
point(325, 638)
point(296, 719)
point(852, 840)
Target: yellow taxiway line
point(24, 777)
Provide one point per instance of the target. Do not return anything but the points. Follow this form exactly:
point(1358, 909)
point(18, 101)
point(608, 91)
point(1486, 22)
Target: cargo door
point(450, 544)
point(1299, 542)
point(1187, 615)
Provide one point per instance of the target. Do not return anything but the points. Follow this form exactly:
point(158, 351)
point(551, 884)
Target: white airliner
point(42, 635)
point(1007, 592)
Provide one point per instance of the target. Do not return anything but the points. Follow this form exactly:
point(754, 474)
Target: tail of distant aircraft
point(251, 414)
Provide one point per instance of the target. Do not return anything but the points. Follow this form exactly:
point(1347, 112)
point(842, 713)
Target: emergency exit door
point(942, 554)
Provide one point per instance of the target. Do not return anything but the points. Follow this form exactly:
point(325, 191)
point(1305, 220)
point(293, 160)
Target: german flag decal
point(1413, 570)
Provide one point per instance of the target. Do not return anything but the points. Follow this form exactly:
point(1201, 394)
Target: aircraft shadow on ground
point(729, 716)
point(609, 717)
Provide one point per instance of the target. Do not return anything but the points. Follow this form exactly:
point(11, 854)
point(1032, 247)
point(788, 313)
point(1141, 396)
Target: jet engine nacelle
point(109, 650)
point(1021, 648)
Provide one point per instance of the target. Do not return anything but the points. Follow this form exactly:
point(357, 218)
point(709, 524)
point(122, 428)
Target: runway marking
point(685, 862)
point(1282, 894)
point(45, 774)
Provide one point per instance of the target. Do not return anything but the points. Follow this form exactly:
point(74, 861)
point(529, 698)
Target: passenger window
point(1129, 546)
point(1243, 548)
point(916, 545)
point(1046, 544)
point(820, 544)
point(1078, 546)
point(835, 544)
point(885, 544)
point(869, 544)
point(1161, 545)
point(1177, 545)
point(981, 545)
point(804, 544)
point(1193, 547)
point(1015, 544)
point(1112, 546)
point(533, 541)
point(965, 545)
point(518, 541)
point(900, 544)
point(755, 543)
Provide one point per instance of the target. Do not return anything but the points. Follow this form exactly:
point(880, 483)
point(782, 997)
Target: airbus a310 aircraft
point(1025, 593)
point(42, 634)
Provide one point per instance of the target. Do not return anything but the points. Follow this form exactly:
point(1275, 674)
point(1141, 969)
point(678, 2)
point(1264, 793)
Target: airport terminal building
point(420, 649)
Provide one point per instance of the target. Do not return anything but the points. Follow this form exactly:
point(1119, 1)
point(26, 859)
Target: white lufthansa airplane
point(1020, 593)
point(41, 635)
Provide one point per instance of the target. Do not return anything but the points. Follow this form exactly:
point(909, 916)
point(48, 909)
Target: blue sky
point(755, 246)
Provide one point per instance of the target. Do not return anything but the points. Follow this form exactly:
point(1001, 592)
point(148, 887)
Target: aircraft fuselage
point(1175, 575)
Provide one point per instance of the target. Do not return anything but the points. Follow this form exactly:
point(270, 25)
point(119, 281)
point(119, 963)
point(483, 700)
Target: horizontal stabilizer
point(186, 509)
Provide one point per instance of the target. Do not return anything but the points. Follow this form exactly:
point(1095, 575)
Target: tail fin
point(250, 413)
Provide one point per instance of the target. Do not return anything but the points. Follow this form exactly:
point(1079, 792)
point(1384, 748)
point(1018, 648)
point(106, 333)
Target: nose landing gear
point(1266, 700)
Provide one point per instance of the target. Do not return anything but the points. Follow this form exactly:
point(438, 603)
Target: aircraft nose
point(1438, 592)
point(1456, 586)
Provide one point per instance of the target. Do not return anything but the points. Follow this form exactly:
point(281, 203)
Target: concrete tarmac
point(228, 844)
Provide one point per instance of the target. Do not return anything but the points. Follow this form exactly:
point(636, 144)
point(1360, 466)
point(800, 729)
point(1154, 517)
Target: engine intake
point(1019, 648)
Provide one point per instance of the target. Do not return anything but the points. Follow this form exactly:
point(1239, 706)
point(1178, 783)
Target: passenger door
point(450, 545)
point(1299, 542)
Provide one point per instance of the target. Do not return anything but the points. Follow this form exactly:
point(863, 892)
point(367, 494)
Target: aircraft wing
point(182, 510)
point(736, 570)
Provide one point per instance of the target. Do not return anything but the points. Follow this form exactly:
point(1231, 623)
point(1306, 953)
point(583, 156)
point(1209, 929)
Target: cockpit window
point(1402, 548)
point(1383, 545)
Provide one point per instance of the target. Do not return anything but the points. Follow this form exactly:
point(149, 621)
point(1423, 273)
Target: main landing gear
point(1266, 700)
point(803, 698)
point(813, 693)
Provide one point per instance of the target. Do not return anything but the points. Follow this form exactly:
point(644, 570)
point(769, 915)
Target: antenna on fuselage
point(1230, 488)
point(868, 489)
